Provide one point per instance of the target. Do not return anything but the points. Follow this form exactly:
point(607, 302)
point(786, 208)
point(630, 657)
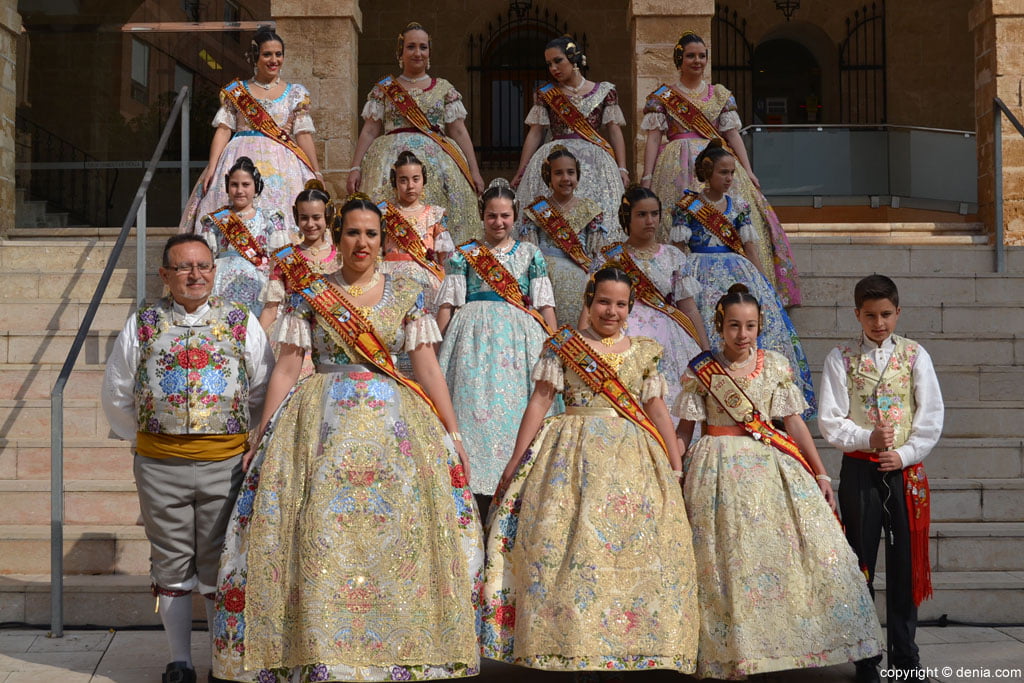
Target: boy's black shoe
point(179, 672)
point(867, 672)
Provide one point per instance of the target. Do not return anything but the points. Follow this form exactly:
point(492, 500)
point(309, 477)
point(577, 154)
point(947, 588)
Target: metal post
point(997, 143)
point(185, 151)
point(57, 512)
point(140, 255)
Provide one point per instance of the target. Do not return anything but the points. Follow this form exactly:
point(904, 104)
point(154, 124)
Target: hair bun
point(361, 196)
point(499, 182)
point(315, 184)
point(739, 287)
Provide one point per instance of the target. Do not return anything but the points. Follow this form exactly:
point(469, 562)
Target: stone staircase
point(968, 318)
point(970, 321)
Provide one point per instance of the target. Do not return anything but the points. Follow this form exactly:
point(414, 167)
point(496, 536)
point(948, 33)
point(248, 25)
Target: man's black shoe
point(179, 672)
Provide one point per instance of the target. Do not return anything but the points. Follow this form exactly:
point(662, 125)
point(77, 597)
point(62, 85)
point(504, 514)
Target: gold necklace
point(607, 341)
point(644, 252)
point(563, 208)
point(356, 289)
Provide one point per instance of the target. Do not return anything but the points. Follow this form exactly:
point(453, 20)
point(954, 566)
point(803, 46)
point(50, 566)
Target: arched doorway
point(786, 83)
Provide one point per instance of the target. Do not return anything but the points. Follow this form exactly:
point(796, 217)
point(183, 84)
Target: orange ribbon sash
point(237, 233)
point(552, 222)
point(408, 239)
point(687, 113)
point(565, 110)
point(601, 378)
point(740, 408)
point(407, 107)
point(261, 121)
point(646, 292)
point(341, 318)
point(489, 268)
point(712, 219)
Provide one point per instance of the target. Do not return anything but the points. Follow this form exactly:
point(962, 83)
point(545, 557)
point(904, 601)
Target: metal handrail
point(57, 394)
point(854, 126)
point(999, 108)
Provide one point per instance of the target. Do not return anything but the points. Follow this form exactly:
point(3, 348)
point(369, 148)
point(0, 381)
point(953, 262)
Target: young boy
point(881, 405)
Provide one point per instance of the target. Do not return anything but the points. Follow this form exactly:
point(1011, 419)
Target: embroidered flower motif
point(234, 600)
point(193, 359)
point(173, 382)
point(319, 673)
point(505, 615)
point(236, 316)
point(214, 382)
point(266, 676)
point(400, 673)
point(458, 476)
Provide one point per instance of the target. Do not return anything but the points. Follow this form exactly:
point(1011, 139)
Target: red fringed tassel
point(918, 498)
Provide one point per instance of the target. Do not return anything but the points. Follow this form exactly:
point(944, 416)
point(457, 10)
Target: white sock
point(176, 615)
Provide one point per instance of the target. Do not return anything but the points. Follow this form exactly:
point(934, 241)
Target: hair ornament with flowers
point(680, 47)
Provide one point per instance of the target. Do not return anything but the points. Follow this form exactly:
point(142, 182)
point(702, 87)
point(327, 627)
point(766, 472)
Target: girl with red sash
point(716, 228)
point(569, 229)
point(690, 113)
point(589, 553)
point(779, 587)
point(354, 548)
point(267, 120)
point(423, 114)
point(239, 235)
point(495, 308)
point(583, 116)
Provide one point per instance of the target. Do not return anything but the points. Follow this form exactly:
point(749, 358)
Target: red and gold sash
point(687, 113)
point(740, 408)
point(551, 221)
point(498, 278)
point(407, 107)
point(262, 121)
point(572, 117)
point(341, 318)
point(601, 378)
point(714, 220)
point(645, 290)
point(237, 233)
point(408, 239)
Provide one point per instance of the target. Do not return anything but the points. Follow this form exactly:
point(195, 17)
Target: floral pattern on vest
point(882, 395)
point(192, 379)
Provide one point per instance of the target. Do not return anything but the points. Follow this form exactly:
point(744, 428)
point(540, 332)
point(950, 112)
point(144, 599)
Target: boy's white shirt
point(834, 404)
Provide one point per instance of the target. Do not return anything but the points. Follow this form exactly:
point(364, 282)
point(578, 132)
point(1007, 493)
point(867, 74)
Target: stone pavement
point(27, 656)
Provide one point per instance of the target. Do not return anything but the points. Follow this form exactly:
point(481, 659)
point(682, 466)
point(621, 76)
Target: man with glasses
point(186, 380)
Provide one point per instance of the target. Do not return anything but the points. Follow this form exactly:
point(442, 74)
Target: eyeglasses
point(185, 268)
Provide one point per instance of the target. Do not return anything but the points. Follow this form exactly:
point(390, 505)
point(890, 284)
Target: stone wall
point(10, 28)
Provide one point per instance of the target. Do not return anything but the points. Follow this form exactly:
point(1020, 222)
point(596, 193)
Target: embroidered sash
point(552, 222)
point(646, 291)
point(408, 239)
point(237, 233)
point(341, 319)
point(497, 276)
point(565, 110)
point(687, 113)
point(407, 107)
point(262, 121)
point(740, 408)
point(714, 220)
point(601, 378)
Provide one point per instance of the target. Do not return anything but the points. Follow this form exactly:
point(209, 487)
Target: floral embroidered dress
point(589, 557)
point(354, 549)
point(674, 174)
point(237, 279)
point(432, 227)
point(446, 185)
point(717, 267)
point(599, 171)
point(489, 348)
point(283, 174)
point(779, 586)
point(666, 267)
point(567, 278)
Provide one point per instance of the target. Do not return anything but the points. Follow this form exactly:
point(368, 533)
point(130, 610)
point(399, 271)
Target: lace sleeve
point(295, 324)
point(742, 221)
point(420, 327)
point(454, 109)
point(374, 107)
point(729, 118)
point(453, 288)
point(225, 115)
point(684, 286)
point(612, 111)
point(549, 369)
point(538, 116)
point(654, 115)
point(787, 398)
point(596, 237)
point(681, 232)
point(302, 122)
point(690, 402)
point(654, 384)
point(540, 284)
point(528, 232)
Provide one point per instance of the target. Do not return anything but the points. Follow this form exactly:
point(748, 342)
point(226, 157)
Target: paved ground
point(27, 656)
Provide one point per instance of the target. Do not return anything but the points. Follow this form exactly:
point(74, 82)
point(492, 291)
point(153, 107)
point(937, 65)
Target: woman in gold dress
point(589, 559)
point(354, 546)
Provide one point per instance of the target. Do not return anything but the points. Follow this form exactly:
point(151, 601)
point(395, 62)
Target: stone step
point(88, 549)
point(918, 289)
point(23, 381)
point(115, 601)
point(955, 458)
point(972, 383)
point(84, 459)
point(30, 419)
point(947, 239)
point(823, 256)
point(850, 229)
point(76, 285)
point(40, 315)
point(977, 500)
point(974, 318)
point(52, 346)
point(86, 232)
point(969, 596)
point(22, 252)
point(951, 349)
point(103, 502)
